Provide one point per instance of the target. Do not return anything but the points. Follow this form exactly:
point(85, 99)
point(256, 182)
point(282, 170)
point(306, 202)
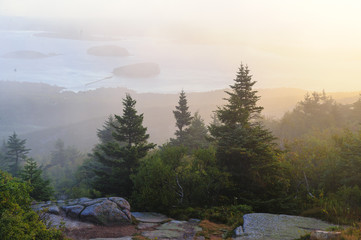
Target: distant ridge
point(43, 113)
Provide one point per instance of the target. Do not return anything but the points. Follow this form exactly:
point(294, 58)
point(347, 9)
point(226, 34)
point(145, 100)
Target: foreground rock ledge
point(264, 226)
point(104, 211)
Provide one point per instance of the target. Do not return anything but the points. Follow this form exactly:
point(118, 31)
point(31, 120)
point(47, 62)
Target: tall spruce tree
point(106, 133)
point(120, 158)
point(16, 153)
point(183, 117)
point(41, 190)
point(196, 135)
point(244, 148)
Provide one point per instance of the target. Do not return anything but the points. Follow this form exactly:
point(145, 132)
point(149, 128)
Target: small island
point(25, 54)
point(138, 70)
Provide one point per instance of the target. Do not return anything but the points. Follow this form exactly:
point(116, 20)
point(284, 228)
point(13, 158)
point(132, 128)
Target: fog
point(162, 47)
point(198, 45)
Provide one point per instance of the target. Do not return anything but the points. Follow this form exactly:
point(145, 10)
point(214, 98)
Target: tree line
point(304, 163)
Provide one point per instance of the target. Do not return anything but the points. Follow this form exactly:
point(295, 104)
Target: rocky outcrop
point(103, 211)
point(159, 226)
point(264, 226)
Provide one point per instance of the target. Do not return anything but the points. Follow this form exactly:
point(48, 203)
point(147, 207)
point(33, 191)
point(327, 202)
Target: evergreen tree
point(41, 190)
point(62, 167)
point(58, 156)
point(120, 158)
point(16, 152)
point(244, 148)
point(196, 135)
point(106, 133)
point(4, 165)
point(183, 117)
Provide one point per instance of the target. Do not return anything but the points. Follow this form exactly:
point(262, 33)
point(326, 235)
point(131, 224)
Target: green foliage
point(231, 215)
point(183, 118)
point(316, 112)
point(17, 220)
point(119, 159)
point(196, 135)
point(325, 175)
point(171, 178)
point(4, 165)
point(41, 190)
point(16, 153)
point(61, 169)
point(105, 134)
point(245, 149)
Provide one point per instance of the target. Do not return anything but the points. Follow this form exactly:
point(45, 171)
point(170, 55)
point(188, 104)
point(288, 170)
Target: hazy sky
point(316, 42)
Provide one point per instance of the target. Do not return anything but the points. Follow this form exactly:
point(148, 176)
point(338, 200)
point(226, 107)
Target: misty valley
point(196, 120)
point(212, 156)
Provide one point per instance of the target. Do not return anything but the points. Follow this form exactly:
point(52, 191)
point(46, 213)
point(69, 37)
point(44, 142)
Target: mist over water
point(67, 63)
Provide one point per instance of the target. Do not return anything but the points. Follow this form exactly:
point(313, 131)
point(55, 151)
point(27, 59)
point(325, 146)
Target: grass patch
point(228, 215)
point(352, 233)
point(211, 230)
point(215, 218)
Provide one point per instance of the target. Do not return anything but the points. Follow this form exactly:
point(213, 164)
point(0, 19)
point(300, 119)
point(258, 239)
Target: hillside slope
point(42, 113)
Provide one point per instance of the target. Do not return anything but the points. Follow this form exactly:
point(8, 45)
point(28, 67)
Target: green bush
point(17, 220)
point(229, 215)
point(170, 178)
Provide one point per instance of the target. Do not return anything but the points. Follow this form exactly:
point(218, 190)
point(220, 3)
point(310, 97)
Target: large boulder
point(104, 211)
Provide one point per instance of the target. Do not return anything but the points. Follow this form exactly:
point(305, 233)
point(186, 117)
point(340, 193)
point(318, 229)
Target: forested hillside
point(306, 162)
point(42, 113)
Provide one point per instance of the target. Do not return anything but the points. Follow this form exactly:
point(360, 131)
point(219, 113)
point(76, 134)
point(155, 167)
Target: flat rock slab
point(174, 230)
point(264, 226)
point(163, 234)
point(69, 224)
point(122, 238)
point(150, 217)
point(143, 225)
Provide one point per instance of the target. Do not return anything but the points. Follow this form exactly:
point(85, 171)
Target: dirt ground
point(101, 232)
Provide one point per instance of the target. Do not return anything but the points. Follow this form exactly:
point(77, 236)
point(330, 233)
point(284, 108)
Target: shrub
point(17, 220)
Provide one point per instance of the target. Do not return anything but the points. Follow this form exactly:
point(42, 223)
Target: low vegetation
point(17, 220)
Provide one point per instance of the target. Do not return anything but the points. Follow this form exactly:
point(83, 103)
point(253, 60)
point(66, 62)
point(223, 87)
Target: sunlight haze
point(312, 45)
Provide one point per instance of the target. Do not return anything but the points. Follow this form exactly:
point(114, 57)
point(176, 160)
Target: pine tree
point(4, 165)
point(196, 135)
point(120, 158)
point(41, 190)
point(244, 148)
point(16, 152)
point(106, 133)
point(58, 156)
point(183, 117)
